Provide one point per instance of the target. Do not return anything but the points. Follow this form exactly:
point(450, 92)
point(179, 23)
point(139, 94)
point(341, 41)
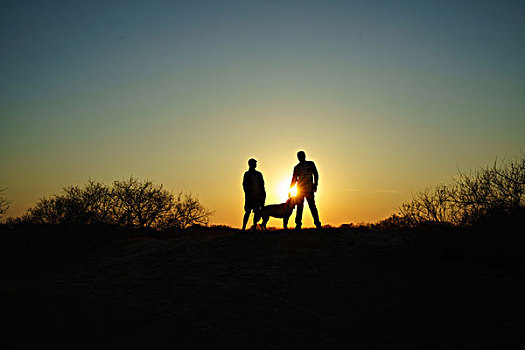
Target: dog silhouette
point(281, 211)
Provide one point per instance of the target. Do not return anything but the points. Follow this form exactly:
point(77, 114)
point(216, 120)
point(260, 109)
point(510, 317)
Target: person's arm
point(294, 178)
point(262, 182)
point(244, 184)
point(316, 176)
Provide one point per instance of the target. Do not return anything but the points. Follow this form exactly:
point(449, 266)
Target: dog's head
point(291, 202)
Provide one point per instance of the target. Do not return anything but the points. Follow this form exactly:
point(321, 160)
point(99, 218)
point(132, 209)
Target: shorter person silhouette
point(306, 177)
point(254, 193)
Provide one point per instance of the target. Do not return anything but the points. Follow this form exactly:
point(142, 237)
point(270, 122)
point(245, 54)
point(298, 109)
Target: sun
point(284, 190)
point(293, 191)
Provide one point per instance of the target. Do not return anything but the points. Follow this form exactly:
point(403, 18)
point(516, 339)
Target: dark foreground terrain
point(93, 288)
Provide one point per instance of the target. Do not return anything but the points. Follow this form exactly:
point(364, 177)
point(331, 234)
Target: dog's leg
point(285, 222)
point(265, 220)
point(256, 217)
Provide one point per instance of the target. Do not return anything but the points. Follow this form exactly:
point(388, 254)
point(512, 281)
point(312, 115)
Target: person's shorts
point(302, 195)
point(254, 202)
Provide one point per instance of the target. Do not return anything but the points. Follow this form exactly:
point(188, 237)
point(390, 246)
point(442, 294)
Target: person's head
point(252, 163)
point(301, 156)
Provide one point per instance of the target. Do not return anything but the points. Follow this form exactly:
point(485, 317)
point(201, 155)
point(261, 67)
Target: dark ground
point(331, 289)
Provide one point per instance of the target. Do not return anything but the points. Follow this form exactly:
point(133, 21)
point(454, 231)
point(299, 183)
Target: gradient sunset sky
point(387, 97)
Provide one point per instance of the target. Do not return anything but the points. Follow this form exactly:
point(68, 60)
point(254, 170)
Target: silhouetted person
point(254, 193)
point(306, 177)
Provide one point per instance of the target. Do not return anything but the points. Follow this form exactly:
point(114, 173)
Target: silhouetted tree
point(496, 191)
point(187, 211)
point(140, 203)
point(92, 203)
point(47, 211)
point(4, 203)
point(430, 206)
point(132, 202)
point(98, 202)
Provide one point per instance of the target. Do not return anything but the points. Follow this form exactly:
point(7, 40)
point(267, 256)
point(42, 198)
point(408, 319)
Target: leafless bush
point(140, 203)
point(12, 222)
point(4, 204)
point(89, 204)
point(395, 221)
point(430, 206)
point(48, 211)
point(496, 191)
point(132, 202)
point(187, 211)
point(79, 205)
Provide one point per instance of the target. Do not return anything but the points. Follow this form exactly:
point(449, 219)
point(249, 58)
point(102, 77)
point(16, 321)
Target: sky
point(386, 97)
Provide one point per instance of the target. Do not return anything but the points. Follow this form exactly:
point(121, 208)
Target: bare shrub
point(12, 222)
point(431, 206)
point(132, 202)
point(497, 191)
point(4, 203)
point(140, 203)
point(98, 202)
point(48, 211)
point(394, 221)
point(187, 211)
point(78, 205)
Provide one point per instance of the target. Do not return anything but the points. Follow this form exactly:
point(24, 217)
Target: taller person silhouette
point(254, 193)
point(306, 177)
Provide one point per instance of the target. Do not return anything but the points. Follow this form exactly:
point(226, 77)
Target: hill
point(105, 287)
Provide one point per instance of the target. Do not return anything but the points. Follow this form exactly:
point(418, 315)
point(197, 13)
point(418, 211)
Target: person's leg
point(299, 212)
point(245, 219)
point(247, 210)
point(256, 217)
point(313, 209)
point(264, 222)
point(257, 209)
